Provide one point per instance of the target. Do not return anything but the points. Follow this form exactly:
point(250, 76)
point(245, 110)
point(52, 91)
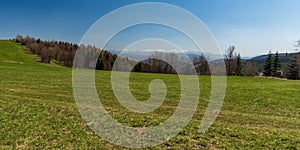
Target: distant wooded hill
point(284, 59)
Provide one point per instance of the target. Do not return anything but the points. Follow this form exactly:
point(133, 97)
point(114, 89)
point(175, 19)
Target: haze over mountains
point(193, 54)
point(141, 54)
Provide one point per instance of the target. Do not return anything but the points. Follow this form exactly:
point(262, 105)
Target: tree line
point(235, 66)
point(274, 68)
point(64, 53)
point(273, 65)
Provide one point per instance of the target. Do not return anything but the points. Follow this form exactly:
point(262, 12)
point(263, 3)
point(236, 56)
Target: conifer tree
point(293, 68)
point(276, 66)
point(268, 65)
point(238, 70)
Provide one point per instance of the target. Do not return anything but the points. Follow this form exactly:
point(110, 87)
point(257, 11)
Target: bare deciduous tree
point(230, 60)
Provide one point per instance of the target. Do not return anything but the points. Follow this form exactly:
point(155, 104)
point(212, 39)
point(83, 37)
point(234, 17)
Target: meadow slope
point(37, 109)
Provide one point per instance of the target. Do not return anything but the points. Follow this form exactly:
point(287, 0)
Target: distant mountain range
point(262, 57)
point(141, 54)
point(209, 56)
point(258, 60)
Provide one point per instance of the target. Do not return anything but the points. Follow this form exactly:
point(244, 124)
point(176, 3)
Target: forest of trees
point(273, 66)
point(63, 53)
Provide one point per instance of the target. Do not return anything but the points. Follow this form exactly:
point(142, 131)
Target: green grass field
point(37, 109)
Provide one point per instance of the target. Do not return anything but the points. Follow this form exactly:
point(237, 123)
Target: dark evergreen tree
point(268, 65)
point(293, 68)
point(238, 70)
point(201, 65)
point(99, 64)
point(138, 67)
point(276, 66)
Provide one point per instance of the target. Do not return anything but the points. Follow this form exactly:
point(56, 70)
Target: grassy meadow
point(37, 109)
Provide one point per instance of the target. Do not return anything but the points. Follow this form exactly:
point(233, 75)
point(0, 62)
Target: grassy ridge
point(38, 109)
point(13, 53)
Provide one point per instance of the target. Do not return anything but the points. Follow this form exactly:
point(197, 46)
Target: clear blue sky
point(253, 26)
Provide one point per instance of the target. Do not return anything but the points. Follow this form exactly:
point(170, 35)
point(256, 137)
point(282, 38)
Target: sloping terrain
point(37, 109)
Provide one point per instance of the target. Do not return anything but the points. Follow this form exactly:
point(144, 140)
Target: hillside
point(13, 53)
point(38, 109)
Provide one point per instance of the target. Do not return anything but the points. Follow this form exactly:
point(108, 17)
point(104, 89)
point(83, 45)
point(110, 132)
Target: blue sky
point(253, 26)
